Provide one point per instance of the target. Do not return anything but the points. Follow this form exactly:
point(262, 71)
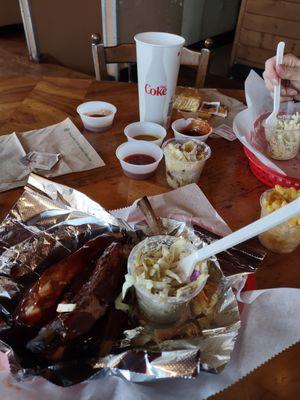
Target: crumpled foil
point(50, 221)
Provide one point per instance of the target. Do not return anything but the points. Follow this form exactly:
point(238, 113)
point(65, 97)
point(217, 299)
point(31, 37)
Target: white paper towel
point(76, 153)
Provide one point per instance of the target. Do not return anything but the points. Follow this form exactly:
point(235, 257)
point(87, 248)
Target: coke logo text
point(156, 91)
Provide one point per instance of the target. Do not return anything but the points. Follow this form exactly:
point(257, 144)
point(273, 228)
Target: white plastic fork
point(271, 120)
point(255, 228)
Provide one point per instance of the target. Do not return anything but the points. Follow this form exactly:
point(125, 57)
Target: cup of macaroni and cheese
point(285, 237)
point(184, 160)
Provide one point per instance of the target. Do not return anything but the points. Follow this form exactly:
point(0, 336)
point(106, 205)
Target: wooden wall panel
point(271, 41)
point(271, 25)
point(255, 55)
point(261, 25)
point(251, 38)
point(268, 41)
point(275, 8)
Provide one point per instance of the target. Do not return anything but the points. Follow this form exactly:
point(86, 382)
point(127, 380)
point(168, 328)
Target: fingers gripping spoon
point(255, 228)
point(271, 120)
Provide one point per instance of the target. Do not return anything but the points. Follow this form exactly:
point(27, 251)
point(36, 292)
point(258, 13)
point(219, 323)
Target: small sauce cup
point(181, 124)
point(96, 124)
point(139, 147)
point(132, 131)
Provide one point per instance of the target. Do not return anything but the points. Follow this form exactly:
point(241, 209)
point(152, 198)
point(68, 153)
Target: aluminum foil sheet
point(49, 222)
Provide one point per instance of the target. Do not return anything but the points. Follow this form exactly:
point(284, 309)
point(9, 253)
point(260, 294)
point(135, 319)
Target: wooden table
point(28, 103)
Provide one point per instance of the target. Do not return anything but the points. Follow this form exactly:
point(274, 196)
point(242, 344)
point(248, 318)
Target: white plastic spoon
point(271, 120)
point(255, 228)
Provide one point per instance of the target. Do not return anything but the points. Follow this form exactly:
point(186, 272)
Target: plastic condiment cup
point(281, 239)
point(96, 124)
point(139, 147)
point(145, 128)
point(182, 123)
point(167, 310)
point(183, 172)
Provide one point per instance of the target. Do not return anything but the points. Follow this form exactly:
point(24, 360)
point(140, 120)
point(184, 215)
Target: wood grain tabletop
point(28, 102)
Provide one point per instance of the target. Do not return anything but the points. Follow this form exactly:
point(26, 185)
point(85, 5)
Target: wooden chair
point(125, 53)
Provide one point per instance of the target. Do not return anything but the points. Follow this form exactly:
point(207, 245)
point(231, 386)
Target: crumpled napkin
point(76, 154)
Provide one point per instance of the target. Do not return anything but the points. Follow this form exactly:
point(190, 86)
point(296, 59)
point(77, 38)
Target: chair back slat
point(202, 68)
point(190, 57)
point(126, 53)
point(99, 62)
point(123, 53)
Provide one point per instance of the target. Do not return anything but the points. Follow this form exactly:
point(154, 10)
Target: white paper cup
point(96, 124)
point(158, 61)
point(182, 123)
point(139, 147)
point(144, 128)
point(155, 309)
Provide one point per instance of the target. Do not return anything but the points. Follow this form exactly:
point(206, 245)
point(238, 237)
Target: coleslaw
point(156, 269)
point(284, 138)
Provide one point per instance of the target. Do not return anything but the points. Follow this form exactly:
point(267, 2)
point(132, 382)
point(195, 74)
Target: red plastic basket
point(267, 175)
point(250, 283)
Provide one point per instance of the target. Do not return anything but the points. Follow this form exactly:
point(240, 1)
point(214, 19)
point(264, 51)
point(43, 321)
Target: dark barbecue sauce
point(139, 159)
point(98, 114)
point(191, 132)
point(196, 127)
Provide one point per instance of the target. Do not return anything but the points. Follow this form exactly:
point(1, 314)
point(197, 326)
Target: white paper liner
point(188, 204)
point(251, 134)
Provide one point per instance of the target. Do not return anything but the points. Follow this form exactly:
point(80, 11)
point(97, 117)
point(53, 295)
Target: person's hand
point(289, 71)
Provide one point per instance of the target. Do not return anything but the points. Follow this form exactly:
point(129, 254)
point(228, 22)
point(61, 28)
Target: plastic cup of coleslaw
point(185, 160)
point(156, 303)
point(284, 138)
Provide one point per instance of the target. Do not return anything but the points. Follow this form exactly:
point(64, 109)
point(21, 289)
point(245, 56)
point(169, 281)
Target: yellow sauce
point(146, 137)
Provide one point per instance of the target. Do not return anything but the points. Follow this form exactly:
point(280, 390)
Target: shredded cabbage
point(129, 281)
point(289, 122)
point(119, 305)
point(156, 270)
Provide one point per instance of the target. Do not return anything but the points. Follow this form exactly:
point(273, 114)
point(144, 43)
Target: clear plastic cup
point(282, 144)
point(281, 239)
point(183, 172)
point(161, 311)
